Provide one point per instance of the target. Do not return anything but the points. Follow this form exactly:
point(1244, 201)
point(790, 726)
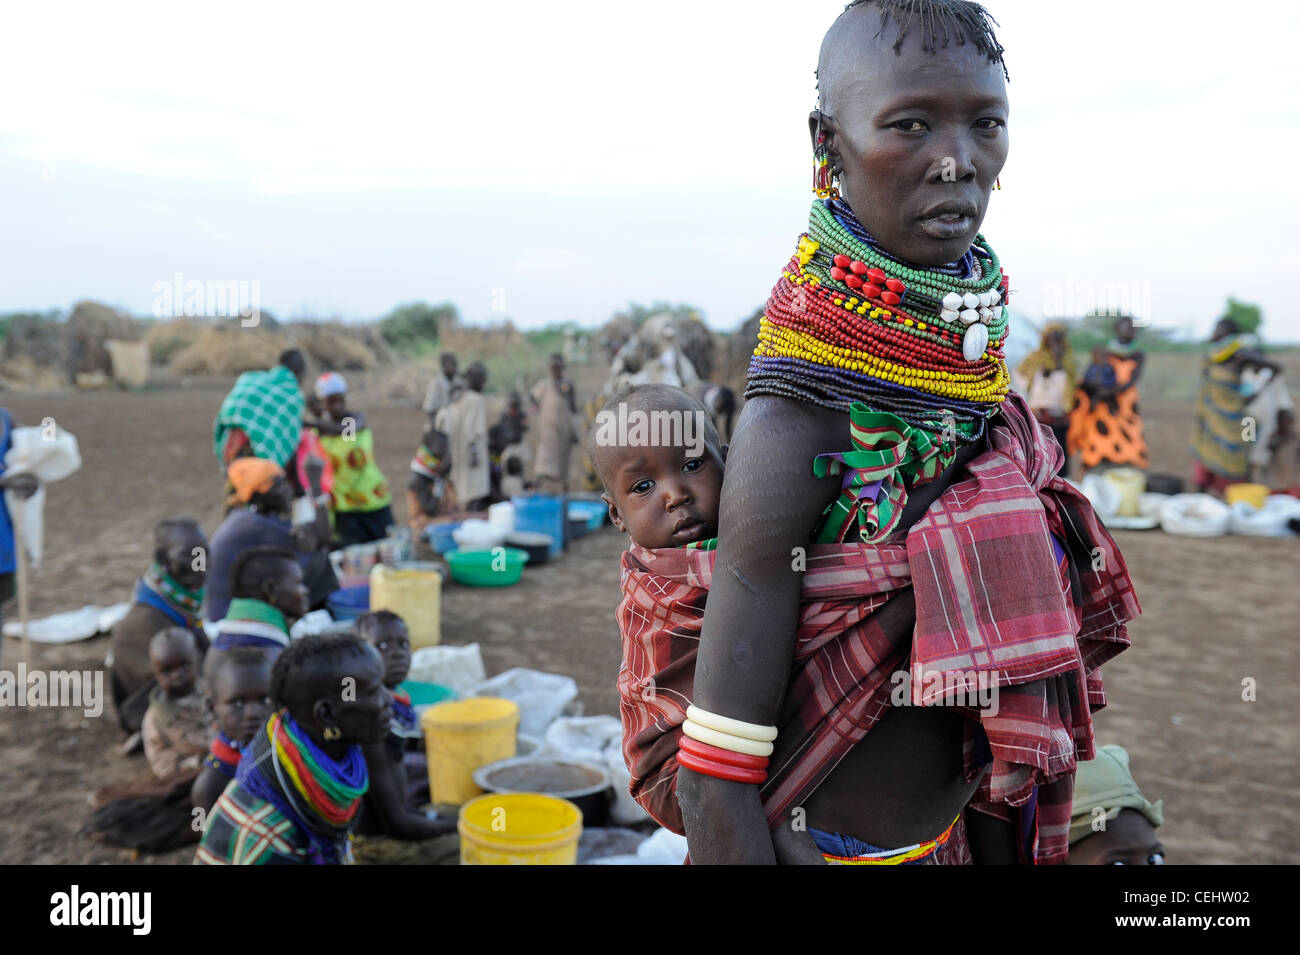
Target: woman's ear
point(323, 711)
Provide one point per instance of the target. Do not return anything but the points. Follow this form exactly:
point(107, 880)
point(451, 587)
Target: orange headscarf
point(249, 476)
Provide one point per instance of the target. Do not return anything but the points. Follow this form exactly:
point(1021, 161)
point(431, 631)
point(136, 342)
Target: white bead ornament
point(970, 316)
point(948, 314)
point(974, 342)
point(971, 300)
point(953, 301)
point(986, 315)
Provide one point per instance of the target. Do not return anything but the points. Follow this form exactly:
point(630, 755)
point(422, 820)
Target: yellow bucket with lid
point(415, 595)
point(519, 829)
point(463, 735)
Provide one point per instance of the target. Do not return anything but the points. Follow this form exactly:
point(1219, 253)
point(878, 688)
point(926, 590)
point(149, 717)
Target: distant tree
point(1248, 317)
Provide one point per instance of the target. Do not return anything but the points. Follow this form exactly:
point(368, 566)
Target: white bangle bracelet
point(736, 744)
point(725, 724)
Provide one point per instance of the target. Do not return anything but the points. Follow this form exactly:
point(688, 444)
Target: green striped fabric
point(266, 406)
point(888, 457)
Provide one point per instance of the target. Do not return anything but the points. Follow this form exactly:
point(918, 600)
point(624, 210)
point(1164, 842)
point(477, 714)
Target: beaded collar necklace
point(848, 322)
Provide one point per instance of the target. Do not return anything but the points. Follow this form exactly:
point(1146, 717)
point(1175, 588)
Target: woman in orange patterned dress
point(1106, 424)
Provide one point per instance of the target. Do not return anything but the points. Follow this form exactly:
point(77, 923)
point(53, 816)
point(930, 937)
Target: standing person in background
point(24, 485)
point(439, 393)
point(464, 422)
point(1047, 378)
point(262, 415)
point(555, 405)
point(362, 504)
point(1106, 424)
point(1219, 440)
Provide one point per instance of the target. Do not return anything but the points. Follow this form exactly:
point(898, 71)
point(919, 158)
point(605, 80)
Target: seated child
point(238, 694)
point(429, 493)
point(174, 729)
point(268, 597)
point(1111, 822)
point(389, 831)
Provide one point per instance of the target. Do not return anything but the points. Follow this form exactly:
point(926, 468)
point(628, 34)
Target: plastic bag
point(457, 668)
point(1268, 521)
point(598, 739)
point(542, 697)
point(1194, 515)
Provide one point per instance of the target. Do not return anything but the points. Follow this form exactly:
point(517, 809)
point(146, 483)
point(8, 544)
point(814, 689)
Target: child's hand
point(795, 847)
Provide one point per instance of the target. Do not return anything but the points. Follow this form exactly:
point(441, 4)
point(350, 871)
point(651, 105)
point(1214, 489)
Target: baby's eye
point(641, 487)
point(988, 122)
point(693, 464)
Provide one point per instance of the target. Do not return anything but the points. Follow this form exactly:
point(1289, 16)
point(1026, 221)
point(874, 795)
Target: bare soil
point(1215, 613)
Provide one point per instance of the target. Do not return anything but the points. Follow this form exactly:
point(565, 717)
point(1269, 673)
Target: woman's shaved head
point(912, 114)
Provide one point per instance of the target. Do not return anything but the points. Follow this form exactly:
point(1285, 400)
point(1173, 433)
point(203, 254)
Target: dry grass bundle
point(481, 341)
point(166, 339)
point(21, 373)
point(229, 350)
point(332, 346)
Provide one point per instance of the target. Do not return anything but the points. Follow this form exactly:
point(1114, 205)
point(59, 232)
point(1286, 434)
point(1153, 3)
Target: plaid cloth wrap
point(976, 587)
point(267, 407)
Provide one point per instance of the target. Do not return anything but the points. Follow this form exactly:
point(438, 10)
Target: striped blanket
point(1009, 577)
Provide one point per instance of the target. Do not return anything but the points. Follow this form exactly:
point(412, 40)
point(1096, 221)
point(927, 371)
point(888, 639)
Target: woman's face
point(365, 713)
point(919, 139)
point(182, 558)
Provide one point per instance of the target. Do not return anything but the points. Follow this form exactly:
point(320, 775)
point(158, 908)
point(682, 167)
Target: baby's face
point(662, 497)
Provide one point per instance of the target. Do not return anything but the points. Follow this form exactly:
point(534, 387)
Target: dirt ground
point(1215, 613)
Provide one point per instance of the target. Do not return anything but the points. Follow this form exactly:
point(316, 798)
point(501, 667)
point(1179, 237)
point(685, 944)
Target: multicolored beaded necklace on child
point(848, 322)
point(223, 755)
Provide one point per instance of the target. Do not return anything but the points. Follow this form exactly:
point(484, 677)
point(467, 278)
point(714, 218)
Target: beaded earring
point(823, 175)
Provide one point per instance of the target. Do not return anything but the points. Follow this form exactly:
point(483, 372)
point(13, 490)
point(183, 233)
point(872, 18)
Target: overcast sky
point(549, 161)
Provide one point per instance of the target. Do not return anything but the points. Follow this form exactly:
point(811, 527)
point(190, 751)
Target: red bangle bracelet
point(720, 755)
point(720, 770)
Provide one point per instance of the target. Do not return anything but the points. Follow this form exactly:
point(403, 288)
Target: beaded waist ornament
point(847, 322)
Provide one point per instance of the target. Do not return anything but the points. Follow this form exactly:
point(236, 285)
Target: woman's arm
point(389, 801)
point(770, 505)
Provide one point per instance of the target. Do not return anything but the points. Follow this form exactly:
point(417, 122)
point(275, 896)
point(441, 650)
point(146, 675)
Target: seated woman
point(300, 781)
point(169, 594)
point(258, 517)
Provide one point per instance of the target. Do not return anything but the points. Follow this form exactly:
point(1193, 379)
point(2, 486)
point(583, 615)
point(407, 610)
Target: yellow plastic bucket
point(415, 596)
point(1131, 483)
point(463, 735)
point(519, 829)
point(1253, 494)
